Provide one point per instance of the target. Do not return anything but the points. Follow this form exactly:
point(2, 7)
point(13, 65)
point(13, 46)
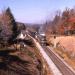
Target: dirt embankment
point(67, 42)
point(19, 62)
point(65, 48)
point(23, 61)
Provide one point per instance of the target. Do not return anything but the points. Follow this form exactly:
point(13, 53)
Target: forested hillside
point(63, 22)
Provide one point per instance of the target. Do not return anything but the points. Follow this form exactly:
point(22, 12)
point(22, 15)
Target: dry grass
point(66, 57)
point(19, 62)
point(66, 48)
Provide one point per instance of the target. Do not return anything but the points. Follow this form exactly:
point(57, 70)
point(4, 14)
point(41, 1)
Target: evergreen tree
point(8, 26)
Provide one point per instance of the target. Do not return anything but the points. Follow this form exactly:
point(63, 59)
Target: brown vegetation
point(66, 49)
point(18, 63)
point(63, 23)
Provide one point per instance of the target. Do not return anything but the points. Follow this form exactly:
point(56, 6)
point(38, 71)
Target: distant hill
point(30, 27)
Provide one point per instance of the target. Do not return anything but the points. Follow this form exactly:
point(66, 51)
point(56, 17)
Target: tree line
point(63, 23)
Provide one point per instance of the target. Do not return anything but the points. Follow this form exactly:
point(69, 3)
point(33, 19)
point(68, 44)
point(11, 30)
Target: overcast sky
point(32, 11)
